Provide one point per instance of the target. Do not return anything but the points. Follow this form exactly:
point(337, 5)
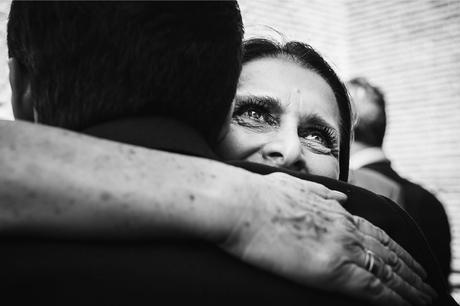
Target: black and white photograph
point(265, 152)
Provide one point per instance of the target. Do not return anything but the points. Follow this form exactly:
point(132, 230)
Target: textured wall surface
point(320, 23)
point(5, 93)
point(410, 48)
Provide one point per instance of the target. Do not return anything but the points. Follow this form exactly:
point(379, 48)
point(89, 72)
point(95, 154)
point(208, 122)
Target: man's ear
point(21, 94)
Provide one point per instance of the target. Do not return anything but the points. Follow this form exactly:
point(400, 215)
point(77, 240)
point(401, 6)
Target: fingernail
point(339, 195)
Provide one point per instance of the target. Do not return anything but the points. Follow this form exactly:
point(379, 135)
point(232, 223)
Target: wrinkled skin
point(316, 242)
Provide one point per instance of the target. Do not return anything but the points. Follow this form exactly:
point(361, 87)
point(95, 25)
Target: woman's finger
point(397, 265)
point(375, 265)
point(369, 229)
point(365, 285)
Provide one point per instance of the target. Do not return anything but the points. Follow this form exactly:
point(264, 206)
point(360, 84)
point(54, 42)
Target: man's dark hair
point(91, 62)
point(369, 102)
point(306, 56)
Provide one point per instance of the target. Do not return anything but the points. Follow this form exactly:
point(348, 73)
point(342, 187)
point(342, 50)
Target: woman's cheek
point(327, 166)
point(236, 144)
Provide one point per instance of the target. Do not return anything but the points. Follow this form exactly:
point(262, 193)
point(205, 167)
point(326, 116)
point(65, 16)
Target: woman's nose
point(285, 151)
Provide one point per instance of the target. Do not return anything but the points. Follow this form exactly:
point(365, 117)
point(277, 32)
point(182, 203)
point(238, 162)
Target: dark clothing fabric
point(46, 272)
point(154, 133)
point(426, 210)
point(144, 273)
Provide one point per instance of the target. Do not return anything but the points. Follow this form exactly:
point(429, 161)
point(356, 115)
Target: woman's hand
point(304, 234)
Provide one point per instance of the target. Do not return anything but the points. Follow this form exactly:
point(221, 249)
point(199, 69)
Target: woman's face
point(284, 116)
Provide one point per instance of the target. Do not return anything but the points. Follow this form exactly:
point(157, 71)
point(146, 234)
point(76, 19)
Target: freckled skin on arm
point(87, 187)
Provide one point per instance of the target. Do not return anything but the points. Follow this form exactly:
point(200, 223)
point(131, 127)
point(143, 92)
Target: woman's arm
point(59, 183)
point(62, 184)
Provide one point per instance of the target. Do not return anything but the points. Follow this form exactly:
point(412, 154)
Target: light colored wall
point(5, 93)
point(320, 23)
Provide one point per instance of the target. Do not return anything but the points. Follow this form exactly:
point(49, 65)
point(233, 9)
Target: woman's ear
point(21, 94)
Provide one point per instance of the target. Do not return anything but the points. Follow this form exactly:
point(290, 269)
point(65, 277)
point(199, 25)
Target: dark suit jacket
point(43, 271)
point(426, 210)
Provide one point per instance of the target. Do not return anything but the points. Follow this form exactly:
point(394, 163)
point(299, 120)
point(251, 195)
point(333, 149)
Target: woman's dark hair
point(306, 56)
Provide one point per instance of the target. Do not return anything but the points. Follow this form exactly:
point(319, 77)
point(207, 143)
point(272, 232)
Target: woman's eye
point(256, 116)
point(317, 137)
point(253, 114)
point(320, 141)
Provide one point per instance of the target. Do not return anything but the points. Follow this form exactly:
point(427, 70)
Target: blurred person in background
point(367, 153)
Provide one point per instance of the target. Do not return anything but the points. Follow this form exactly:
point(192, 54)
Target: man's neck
point(362, 155)
point(357, 146)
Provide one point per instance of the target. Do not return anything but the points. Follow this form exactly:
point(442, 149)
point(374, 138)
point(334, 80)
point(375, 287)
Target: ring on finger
point(369, 261)
point(377, 266)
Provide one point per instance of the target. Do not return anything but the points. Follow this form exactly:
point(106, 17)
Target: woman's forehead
point(296, 87)
point(281, 76)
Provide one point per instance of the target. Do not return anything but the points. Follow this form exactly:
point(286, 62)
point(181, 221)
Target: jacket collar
point(367, 156)
point(154, 133)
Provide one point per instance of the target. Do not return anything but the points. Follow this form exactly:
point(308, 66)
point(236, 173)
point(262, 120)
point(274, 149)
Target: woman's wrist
point(214, 205)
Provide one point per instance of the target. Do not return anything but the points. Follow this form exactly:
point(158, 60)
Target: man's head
point(76, 64)
point(369, 104)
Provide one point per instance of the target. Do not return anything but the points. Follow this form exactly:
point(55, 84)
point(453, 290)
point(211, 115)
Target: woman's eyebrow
point(271, 103)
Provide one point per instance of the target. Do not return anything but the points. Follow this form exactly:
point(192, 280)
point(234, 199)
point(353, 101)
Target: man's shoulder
point(376, 182)
point(413, 192)
point(417, 194)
